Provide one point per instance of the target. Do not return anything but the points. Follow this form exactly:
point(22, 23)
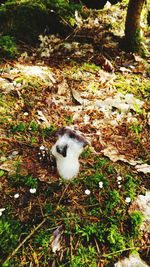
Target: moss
point(134, 84)
point(24, 19)
point(27, 19)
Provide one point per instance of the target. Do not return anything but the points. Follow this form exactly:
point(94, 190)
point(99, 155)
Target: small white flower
point(100, 184)
point(128, 199)
point(32, 190)
point(119, 178)
point(42, 147)
point(119, 182)
point(16, 195)
point(87, 192)
point(119, 186)
point(25, 113)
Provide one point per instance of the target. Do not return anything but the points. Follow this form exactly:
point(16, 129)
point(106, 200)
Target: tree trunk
point(133, 33)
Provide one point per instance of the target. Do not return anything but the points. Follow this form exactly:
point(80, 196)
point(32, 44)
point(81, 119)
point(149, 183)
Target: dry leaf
point(56, 246)
point(42, 117)
point(142, 203)
point(77, 97)
point(145, 168)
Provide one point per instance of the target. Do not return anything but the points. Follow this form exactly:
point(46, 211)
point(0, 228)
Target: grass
point(100, 220)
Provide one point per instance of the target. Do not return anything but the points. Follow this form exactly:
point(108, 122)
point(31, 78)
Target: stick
point(122, 250)
point(24, 240)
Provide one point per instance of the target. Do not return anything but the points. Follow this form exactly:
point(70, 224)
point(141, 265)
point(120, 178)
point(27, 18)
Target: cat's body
point(67, 150)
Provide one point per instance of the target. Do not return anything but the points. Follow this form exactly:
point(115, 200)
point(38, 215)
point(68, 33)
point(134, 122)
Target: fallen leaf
point(142, 203)
point(77, 97)
point(56, 246)
point(42, 117)
point(145, 168)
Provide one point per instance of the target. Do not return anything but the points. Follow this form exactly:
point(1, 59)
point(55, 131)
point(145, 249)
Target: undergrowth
point(100, 220)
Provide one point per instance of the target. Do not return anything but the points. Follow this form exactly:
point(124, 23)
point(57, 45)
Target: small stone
point(16, 195)
point(32, 190)
point(87, 192)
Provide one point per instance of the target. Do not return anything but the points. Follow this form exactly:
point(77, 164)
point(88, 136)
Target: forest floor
point(103, 92)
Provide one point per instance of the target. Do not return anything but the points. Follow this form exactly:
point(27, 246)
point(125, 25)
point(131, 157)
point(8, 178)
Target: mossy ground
point(96, 229)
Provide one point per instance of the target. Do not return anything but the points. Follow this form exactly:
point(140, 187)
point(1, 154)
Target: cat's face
point(69, 144)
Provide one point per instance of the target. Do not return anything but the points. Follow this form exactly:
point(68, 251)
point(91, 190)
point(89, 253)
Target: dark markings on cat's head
point(62, 150)
point(72, 134)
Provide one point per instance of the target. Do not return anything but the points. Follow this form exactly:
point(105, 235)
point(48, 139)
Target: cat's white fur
point(68, 167)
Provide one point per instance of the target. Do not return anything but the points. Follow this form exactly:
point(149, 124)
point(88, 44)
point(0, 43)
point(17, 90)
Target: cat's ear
point(60, 132)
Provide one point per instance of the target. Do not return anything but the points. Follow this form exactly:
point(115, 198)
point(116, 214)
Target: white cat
point(67, 150)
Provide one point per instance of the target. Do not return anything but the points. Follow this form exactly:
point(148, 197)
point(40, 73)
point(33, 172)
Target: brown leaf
point(104, 63)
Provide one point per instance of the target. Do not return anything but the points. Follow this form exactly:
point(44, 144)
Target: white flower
point(25, 113)
point(16, 195)
point(119, 182)
point(100, 184)
point(128, 199)
point(87, 192)
point(119, 186)
point(42, 147)
point(119, 178)
point(32, 190)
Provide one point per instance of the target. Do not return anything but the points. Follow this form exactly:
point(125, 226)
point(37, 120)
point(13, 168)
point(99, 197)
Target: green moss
point(23, 19)
point(132, 83)
point(8, 47)
point(10, 231)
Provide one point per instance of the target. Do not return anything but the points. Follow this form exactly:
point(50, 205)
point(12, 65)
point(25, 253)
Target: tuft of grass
point(8, 47)
point(21, 180)
point(10, 230)
point(136, 219)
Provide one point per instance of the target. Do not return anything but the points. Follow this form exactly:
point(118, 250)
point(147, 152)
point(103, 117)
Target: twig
point(24, 240)
point(62, 196)
point(122, 250)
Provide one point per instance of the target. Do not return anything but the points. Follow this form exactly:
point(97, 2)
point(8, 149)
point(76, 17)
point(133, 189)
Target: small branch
point(62, 195)
point(22, 243)
point(122, 250)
